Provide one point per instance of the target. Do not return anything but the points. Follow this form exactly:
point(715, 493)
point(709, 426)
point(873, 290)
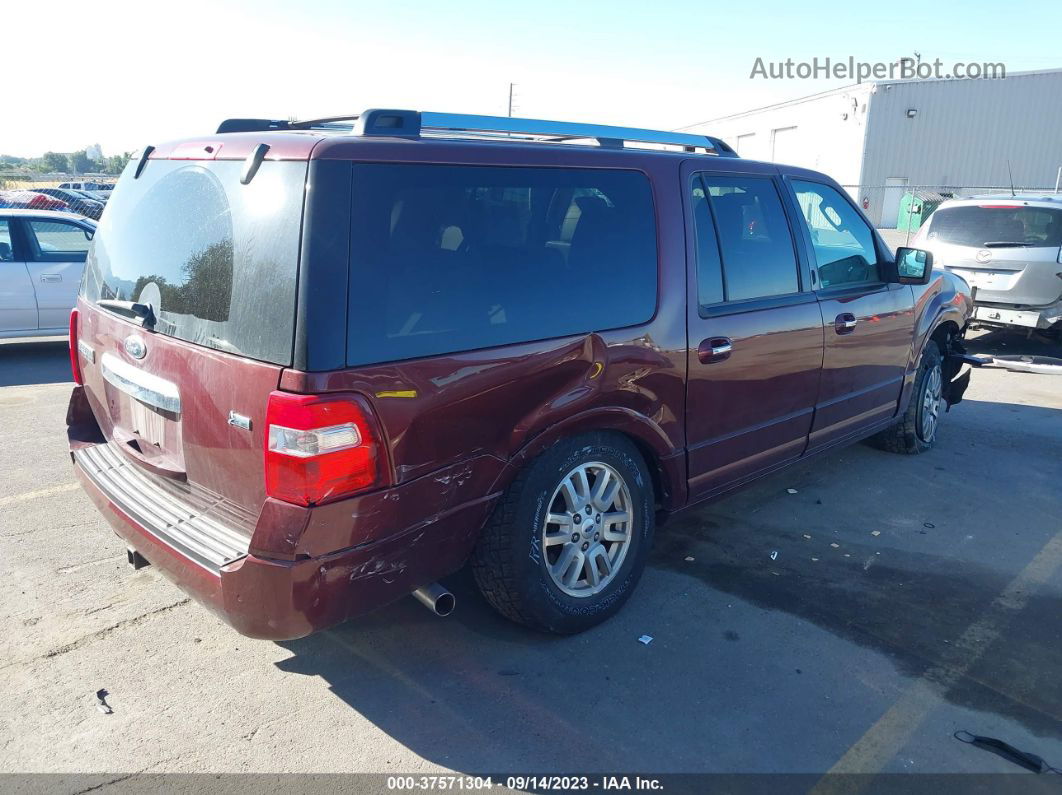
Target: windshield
point(216, 259)
point(985, 225)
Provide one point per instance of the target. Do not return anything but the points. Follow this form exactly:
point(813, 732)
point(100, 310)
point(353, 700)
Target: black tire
point(509, 562)
point(908, 436)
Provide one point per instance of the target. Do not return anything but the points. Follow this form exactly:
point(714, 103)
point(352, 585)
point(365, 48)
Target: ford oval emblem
point(984, 255)
point(135, 346)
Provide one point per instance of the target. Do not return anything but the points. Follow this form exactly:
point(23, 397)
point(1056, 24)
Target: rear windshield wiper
point(143, 312)
point(1007, 244)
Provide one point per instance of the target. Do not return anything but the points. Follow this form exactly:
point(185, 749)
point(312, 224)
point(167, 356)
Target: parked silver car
point(42, 255)
point(1009, 249)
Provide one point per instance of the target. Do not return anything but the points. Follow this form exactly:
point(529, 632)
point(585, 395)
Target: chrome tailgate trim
point(145, 387)
point(176, 514)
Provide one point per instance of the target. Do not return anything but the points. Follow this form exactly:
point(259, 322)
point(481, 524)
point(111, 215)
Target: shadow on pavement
point(38, 362)
point(760, 663)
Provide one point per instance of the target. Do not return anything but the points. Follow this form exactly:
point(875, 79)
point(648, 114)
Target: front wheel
point(567, 544)
point(917, 429)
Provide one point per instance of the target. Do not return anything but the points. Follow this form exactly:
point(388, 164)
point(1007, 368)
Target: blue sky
point(168, 70)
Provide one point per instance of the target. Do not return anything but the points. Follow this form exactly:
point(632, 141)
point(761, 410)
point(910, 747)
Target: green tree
point(115, 164)
point(54, 161)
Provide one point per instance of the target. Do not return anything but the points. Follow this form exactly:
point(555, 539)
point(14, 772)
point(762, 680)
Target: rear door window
point(758, 258)
point(1001, 225)
point(215, 258)
point(452, 258)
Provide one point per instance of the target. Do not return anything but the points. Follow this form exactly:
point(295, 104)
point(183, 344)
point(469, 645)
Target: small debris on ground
point(101, 702)
point(645, 639)
point(807, 536)
point(774, 554)
point(689, 558)
point(930, 525)
point(835, 546)
point(814, 560)
point(875, 532)
point(792, 491)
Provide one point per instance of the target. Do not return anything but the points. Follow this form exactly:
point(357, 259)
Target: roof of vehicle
point(286, 140)
point(23, 213)
point(1002, 198)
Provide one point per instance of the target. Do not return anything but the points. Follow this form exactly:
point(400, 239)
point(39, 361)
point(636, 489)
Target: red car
point(320, 368)
point(31, 200)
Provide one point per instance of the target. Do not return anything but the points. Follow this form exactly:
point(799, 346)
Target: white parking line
point(32, 495)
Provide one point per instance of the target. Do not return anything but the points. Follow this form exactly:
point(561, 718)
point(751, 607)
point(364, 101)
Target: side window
point(58, 241)
point(844, 244)
point(453, 258)
point(754, 237)
point(7, 251)
point(709, 265)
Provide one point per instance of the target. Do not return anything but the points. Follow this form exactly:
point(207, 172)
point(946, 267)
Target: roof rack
point(417, 124)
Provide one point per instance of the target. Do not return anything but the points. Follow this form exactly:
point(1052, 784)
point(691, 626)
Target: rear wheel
point(917, 429)
point(567, 544)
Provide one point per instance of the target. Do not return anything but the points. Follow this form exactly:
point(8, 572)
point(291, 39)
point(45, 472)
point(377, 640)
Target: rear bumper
point(401, 539)
point(1043, 317)
point(282, 600)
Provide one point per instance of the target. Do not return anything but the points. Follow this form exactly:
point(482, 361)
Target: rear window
point(452, 258)
point(980, 226)
point(217, 260)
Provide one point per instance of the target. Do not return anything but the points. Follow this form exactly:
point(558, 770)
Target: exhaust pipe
point(436, 598)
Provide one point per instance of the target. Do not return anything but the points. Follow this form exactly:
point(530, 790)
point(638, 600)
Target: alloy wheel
point(588, 530)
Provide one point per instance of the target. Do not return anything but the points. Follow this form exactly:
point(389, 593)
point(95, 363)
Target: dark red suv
point(321, 365)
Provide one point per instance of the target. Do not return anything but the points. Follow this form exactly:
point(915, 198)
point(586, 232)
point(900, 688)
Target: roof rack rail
point(417, 124)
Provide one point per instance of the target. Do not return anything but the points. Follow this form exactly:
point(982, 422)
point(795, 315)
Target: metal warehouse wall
point(964, 132)
point(824, 132)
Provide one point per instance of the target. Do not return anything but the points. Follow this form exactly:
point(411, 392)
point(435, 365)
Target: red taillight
point(318, 448)
point(75, 362)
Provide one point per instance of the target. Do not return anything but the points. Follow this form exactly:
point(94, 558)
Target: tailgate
point(180, 391)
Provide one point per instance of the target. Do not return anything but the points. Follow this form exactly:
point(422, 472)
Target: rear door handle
point(51, 277)
point(714, 349)
point(845, 323)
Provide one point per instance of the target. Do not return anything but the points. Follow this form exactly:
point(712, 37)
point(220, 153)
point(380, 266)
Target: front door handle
point(845, 323)
point(51, 277)
point(714, 349)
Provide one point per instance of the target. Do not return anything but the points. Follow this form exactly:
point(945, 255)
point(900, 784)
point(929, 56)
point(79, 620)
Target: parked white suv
point(42, 256)
point(1009, 249)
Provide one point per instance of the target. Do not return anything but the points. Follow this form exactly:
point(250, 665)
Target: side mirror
point(913, 265)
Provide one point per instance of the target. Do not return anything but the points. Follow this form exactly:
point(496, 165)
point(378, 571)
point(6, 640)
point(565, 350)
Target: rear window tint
point(974, 225)
point(452, 258)
point(217, 260)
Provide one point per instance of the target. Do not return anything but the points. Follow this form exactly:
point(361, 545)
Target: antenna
point(1011, 174)
point(511, 92)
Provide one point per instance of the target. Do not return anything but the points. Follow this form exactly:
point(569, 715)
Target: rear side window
point(58, 241)
point(453, 258)
point(997, 225)
point(216, 259)
point(754, 238)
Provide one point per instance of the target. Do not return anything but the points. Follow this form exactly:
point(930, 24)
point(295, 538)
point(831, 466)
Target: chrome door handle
point(51, 277)
point(845, 323)
point(715, 349)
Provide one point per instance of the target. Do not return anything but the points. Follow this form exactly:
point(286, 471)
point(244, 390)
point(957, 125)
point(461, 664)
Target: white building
point(879, 138)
